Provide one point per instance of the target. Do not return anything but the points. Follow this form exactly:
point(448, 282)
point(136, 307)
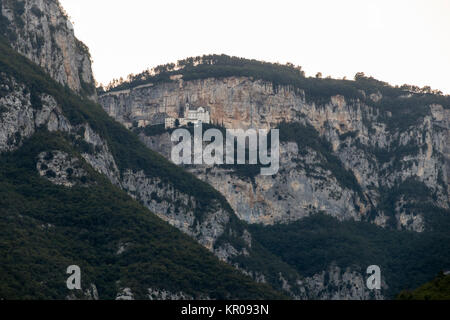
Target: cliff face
point(41, 31)
point(21, 118)
point(233, 102)
point(287, 196)
point(379, 155)
point(381, 158)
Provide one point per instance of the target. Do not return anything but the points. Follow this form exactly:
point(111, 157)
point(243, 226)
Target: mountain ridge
point(380, 157)
point(42, 31)
point(357, 156)
point(70, 144)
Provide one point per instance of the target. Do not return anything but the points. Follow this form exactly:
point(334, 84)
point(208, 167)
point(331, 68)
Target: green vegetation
point(350, 134)
point(437, 289)
point(87, 89)
point(18, 10)
point(311, 245)
point(406, 259)
point(216, 66)
point(112, 215)
point(125, 146)
point(418, 200)
point(46, 228)
point(4, 27)
point(395, 153)
point(260, 261)
point(36, 11)
point(150, 131)
point(2, 110)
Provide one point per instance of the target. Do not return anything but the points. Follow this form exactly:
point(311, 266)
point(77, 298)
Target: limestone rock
point(42, 31)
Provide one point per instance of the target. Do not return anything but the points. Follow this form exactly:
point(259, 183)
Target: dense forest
point(437, 289)
point(46, 228)
point(406, 258)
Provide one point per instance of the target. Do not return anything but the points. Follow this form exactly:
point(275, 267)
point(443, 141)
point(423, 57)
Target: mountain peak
point(41, 31)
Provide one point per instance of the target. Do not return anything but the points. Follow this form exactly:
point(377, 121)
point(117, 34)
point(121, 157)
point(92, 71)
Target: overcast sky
point(399, 41)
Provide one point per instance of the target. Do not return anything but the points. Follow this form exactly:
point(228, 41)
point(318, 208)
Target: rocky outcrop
point(295, 192)
point(90, 293)
point(178, 209)
point(100, 158)
point(125, 294)
point(380, 156)
point(161, 294)
point(299, 189)
point(339, 284)
point(157, 294)
point(42, 31)
point(19, 120)
point(61, 169)
point(233, 102)
point(334, 283)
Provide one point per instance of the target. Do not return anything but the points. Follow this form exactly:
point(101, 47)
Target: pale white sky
point(398, 41)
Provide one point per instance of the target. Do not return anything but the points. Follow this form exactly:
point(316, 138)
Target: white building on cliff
point(193, 116)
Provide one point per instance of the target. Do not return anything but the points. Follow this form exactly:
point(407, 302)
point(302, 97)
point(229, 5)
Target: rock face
point(60, 168)
point(20, 120)
point(125, 294)
point(157, 294)
point(176, 208)
point(379, 156)
point(338, 284)
point(233, 102)
point(42, 31)
point(287, 196)
point(334, 283)
point(89, 294)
